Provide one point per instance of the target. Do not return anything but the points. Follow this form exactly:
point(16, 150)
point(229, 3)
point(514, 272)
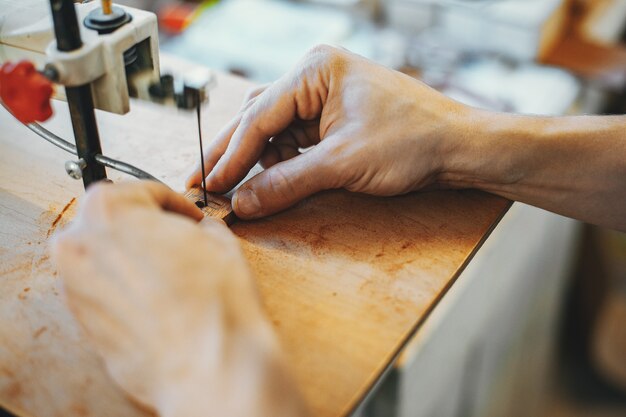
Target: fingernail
point(246, 202)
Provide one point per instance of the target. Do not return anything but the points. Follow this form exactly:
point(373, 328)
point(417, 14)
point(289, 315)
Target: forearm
point(575, 166)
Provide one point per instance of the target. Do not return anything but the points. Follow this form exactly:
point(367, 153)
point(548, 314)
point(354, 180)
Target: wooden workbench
point(346, 279)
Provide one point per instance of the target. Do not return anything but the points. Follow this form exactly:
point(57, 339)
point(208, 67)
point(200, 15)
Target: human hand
point(170, 305)
point(371, 129)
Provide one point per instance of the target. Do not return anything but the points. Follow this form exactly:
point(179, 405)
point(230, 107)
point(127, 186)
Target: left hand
point(170, 305)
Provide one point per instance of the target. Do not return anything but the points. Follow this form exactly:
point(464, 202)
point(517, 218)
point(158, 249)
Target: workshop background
point(536, 325)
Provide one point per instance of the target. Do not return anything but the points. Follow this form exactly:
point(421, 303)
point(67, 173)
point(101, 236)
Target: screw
point(51, 72)
point(75, 168)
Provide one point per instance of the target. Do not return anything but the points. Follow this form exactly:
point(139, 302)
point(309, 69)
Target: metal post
point(79, 98)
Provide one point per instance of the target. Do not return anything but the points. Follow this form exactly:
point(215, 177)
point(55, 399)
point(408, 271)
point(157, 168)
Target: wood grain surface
point(346, 279)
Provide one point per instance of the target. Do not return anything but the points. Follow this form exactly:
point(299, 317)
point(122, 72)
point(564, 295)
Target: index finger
point(217, 147)
point(171, 201)
point(272, 112)
point(299, 94)
point(103, 199)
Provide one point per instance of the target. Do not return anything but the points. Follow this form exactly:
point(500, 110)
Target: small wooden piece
point(218, 206)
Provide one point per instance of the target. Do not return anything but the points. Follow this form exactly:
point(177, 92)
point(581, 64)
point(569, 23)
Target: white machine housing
point(26, 32)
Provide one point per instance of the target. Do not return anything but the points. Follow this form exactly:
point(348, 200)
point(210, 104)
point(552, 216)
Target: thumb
point(283, 185)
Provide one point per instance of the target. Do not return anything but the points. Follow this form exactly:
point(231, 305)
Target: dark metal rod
point(86, 134)
point(79, 98)
point(206, 201)
point(66, 28)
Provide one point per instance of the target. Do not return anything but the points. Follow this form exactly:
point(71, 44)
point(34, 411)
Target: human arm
point(574, 166)
point(171, 306)
point(377, 131)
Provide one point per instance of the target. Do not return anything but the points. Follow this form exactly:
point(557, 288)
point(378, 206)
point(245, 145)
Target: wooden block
point(218, 206)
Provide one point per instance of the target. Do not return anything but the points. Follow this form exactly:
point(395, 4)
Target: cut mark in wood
point(56, 221)
point(218, 206)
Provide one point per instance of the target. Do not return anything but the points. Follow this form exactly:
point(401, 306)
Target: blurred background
point(536, 326)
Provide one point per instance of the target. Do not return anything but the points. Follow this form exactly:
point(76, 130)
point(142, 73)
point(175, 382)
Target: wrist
point(482, 150)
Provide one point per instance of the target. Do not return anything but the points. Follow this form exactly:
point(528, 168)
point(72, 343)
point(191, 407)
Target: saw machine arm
point(95, 55)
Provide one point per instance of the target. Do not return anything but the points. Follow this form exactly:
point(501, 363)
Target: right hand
point(372, 130)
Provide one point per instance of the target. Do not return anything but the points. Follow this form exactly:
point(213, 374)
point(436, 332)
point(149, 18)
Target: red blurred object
point(25, 92)
point(174, 18)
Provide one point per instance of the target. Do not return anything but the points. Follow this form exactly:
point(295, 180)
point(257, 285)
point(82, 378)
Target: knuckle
point(251, 122)
point(323, 50)
point(247, 103)
point(325, 54)
point(279, 183)
point(220, 179)
point(252, 93)
point(327, 59)
point(247, 119)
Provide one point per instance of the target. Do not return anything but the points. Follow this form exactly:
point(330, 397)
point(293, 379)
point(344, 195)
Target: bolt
point(75, 168)
point(51, 73)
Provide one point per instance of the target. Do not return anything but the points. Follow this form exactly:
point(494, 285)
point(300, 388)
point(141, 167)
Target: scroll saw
point(98, 55)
